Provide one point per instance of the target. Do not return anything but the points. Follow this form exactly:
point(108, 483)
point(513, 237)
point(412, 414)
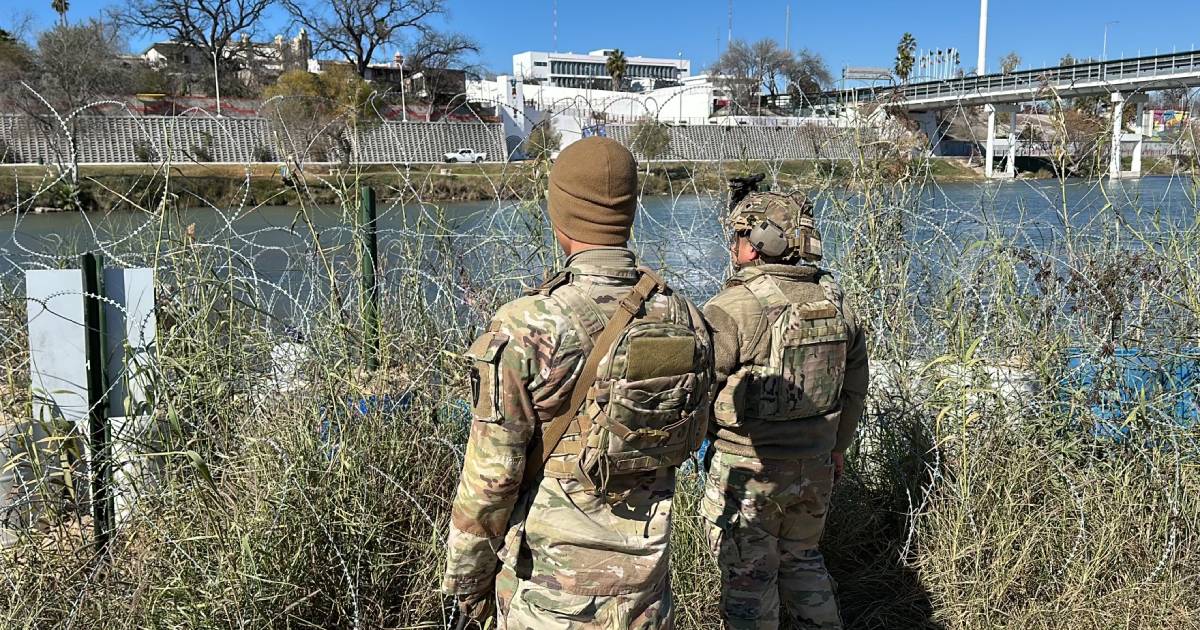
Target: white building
point(589, 71)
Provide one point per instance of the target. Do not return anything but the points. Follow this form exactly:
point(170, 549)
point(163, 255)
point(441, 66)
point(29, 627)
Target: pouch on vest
point(806, 366)
point(646, 409)
point(485, 375)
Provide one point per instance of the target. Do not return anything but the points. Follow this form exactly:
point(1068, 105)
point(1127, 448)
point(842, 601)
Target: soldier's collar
point(612, 262)
point(801, 273)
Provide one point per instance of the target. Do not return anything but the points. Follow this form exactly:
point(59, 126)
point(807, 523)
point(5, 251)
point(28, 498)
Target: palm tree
point(905, 56)
point(60, 7)
point(616, 67)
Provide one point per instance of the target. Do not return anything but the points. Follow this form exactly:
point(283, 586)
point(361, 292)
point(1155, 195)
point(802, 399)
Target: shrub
point(543, 141)
point(651, 138)
point(143, 151)
point(8, 155)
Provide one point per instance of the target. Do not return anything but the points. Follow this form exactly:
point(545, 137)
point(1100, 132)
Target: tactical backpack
point(806, 366)
point(640, 403)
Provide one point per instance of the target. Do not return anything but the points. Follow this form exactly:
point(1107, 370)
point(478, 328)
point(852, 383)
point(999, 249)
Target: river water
point(274, 246)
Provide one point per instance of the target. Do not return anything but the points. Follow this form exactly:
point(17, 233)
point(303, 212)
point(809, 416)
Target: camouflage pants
point(523, 605)
point(765, 520)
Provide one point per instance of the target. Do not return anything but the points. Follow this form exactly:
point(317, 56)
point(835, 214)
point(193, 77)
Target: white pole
point(679, 94)
point(787, 28)
point(217, 81)
point(1010, 167)
point(1137, 148)
point(403, 92)
point(1104, 51)
point(990, 144)
point(983, 17)
point(1114, 167)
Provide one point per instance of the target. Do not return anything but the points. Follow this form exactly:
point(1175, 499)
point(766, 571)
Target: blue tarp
point(1116, 385)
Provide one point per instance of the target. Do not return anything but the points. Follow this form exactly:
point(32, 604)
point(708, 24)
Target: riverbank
point(105, 187)
point(319, 496)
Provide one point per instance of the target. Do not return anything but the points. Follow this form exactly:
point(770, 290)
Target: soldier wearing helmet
point(791, 363)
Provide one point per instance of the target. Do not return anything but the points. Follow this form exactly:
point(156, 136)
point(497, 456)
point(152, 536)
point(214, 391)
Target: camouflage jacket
point(741, 336)
point(553, 533)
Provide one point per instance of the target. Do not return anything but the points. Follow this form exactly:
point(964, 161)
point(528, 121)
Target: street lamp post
point(403, 87)
point(983, 16)
point(217, 82)
point(1104, 50)
point(679, 95)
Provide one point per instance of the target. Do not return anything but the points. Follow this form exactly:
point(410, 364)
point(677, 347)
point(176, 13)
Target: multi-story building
point(254, 62)
point(590, 70)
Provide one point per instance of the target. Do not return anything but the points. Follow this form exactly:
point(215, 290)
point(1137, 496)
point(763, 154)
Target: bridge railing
point(1092, 72)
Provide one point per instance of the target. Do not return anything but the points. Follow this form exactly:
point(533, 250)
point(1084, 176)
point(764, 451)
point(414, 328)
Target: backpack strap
point(629, 307)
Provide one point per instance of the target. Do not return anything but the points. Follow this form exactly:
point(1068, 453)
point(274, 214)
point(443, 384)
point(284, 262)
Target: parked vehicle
point(465, 155)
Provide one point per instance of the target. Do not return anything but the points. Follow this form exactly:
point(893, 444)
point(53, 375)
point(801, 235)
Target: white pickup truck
point(465, 155)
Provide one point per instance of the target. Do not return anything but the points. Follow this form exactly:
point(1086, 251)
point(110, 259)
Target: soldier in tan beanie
point(563, 510)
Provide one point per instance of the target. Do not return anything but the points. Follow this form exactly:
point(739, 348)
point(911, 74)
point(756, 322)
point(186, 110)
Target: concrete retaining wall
point(100, 139)
point(131, 139)
point(738, 142)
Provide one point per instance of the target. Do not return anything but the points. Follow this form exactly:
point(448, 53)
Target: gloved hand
point(476, 610)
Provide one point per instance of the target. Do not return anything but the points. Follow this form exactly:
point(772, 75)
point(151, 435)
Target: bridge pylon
point(1119, 100)
point(989, 160)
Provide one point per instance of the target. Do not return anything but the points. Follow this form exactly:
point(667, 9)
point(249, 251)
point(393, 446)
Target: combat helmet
point(778, 225)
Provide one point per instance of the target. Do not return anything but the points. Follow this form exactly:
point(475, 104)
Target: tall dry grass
point(968, 503)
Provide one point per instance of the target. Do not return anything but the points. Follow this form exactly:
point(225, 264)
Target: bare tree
point(746, 69)
point(442, 60)
point(70, 67)
point(15, 57)
point(807, 74)
point(651, 138)
point(74, 65)
point(737, 71)
point(218, 29)
point(361, 29)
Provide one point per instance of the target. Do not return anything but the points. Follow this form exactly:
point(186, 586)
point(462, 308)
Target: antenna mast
point(729, 40)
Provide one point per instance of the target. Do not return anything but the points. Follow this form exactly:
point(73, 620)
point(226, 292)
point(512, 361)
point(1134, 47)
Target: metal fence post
point(99, 432)
point(370, 284)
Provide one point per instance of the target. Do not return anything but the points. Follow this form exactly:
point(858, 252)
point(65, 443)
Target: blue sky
point(860, 32)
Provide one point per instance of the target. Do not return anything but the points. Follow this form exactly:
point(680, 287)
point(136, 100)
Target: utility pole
point(983, 15)
point(554, 21)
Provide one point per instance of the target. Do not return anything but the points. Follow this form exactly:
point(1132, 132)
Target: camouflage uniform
point(560, 557)
point(771, 477)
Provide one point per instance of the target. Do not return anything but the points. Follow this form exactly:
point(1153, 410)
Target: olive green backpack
point(641, 401)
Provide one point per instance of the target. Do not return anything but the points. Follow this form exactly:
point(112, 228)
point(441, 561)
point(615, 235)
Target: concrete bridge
point(1124, 81)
